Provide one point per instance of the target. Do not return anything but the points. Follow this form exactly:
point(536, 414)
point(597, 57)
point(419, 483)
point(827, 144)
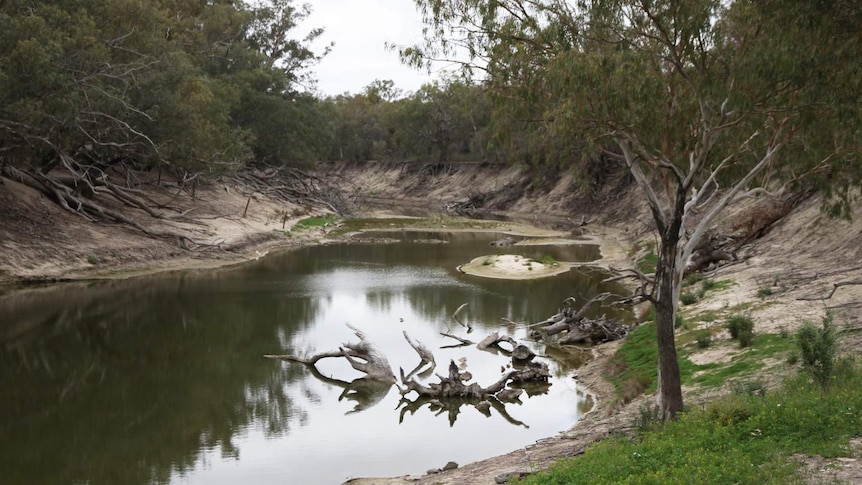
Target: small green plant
point(679, 321)
point(93, 259)
point(784, 333)
point(738, 323)
point(793, 358)
point(703, 339)
point(741, 328)
point(688, 298)
point(694, 278)
point(648, 419)
point(764, 292)
point(709, 285)
point(748, 388)
point(546, 260)
point(817, 347)
point(487, 262)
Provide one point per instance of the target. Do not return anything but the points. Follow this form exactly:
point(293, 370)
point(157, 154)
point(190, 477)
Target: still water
point(161, 379)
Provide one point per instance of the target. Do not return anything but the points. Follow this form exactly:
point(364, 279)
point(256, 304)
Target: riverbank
point(799, 257)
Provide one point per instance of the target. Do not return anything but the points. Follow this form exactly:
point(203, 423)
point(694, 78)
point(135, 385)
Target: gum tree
point(705, 102)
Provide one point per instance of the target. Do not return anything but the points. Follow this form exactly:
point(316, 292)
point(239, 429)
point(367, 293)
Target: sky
point(360, 30)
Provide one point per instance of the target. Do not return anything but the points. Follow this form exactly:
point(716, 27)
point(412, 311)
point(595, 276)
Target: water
point(161, 379)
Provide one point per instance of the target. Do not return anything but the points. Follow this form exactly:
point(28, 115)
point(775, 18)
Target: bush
point(737, 324)
point(688, 298)
point(817, 347)
point(704, 339)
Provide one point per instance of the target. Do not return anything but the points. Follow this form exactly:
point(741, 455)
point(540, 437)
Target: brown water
point(161, 379)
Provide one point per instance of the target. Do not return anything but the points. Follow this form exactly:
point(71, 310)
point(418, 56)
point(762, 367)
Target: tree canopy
point(704, 101)
point(179, 83)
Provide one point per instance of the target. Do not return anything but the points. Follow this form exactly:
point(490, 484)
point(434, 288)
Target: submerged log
point(453, 386)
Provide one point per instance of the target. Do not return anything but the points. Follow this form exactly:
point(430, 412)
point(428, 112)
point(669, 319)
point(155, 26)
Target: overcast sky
point(360, 30)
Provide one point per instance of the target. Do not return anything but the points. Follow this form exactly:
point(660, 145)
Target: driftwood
point(453, 386)
point(578, 328)
point(464, 341)
point(372, 362)
point(425, 357)
point(494, 340)
point(455, 317)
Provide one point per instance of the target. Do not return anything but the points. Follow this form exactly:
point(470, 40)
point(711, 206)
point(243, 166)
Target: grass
point(395, 223)
point(311, 222)
point(742, 438)
point(634, 366)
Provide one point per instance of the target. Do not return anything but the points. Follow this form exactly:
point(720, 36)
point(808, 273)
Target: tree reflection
point(366, 392)
point(452, 408)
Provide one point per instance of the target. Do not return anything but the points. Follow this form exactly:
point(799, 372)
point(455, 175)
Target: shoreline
point(545, 450)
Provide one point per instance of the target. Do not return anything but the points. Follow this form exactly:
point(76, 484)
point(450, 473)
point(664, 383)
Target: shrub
point(737, 324)
point(688, 298)
point(704, 339)
point(764, 292)
point(817, 347)
point(741, 328)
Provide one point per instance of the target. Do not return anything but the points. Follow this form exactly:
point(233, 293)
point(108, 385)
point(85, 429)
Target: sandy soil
point(802, 256)
point(512, 267)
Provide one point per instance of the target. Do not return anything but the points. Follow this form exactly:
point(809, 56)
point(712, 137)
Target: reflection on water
point(161, 379)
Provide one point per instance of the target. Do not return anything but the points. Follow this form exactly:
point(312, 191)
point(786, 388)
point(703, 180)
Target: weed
point(764, 292)
point(648, 419)
point(693, 279)
point(738, 324)
point(546, 260)
point(688, 298)
point(93, 259)
point(704, 339)
point(818, 346)
point(748, 388)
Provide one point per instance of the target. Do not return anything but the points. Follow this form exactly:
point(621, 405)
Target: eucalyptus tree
point(702, 101)
point(92, 86)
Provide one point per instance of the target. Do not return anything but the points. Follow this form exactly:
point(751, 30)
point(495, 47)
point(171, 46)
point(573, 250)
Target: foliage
point(690, 96)
point(817, 347)
point(739, 324)
point(742, 438)
point(193, 86)
point(704, 339)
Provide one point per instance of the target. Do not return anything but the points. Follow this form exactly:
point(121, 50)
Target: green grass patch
point(545, 259)
point(737, 439)
point(764, 292)
point(396, 223)
point(311, 222)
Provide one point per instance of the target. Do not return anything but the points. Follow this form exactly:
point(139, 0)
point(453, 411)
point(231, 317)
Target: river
point(161, 379)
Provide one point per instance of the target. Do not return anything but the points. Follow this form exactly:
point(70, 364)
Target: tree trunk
point(669, 272)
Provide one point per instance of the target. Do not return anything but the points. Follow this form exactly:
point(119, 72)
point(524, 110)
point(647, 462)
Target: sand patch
point(512, 267)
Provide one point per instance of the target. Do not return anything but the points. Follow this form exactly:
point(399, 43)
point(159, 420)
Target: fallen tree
point(452, 386)
point(577, 327)
point(362, 356)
